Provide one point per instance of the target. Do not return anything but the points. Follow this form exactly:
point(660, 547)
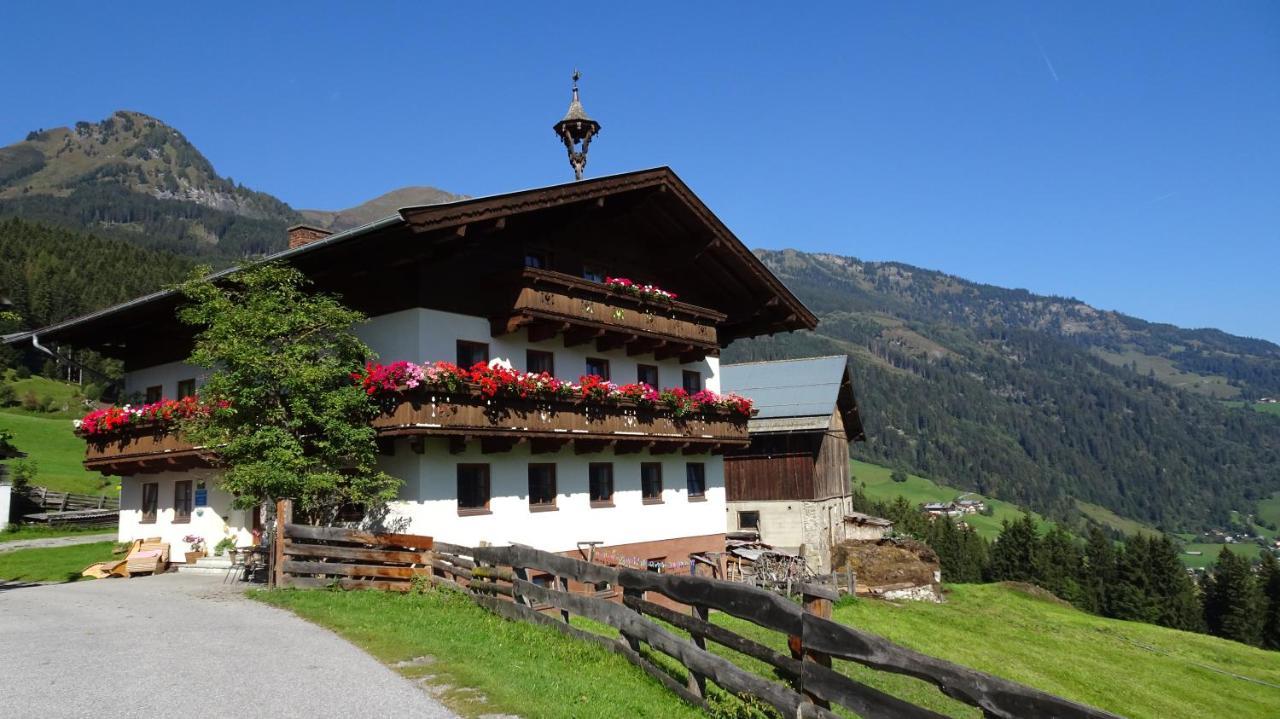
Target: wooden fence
point(521, 583)
point(50, 500)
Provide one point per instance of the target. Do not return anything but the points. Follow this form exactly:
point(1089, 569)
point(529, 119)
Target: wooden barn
point(791, 484)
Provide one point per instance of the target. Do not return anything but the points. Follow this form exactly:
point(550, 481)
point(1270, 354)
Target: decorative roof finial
point(576, 128)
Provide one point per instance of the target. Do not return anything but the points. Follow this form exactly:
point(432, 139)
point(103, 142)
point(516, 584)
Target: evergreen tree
point(1057, 565)
point(1014, 552)
point(1232, 602)
point(1269, 579)
point(1177, 603)
point(1130, 594)
point(1097, 572)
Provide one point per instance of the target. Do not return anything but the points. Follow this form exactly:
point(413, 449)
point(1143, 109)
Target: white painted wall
point(429, 504)
point(166, 375)
point(6, 494)
point(214, 522)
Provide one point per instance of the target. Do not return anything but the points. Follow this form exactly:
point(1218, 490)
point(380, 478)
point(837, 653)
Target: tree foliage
point(289, 421)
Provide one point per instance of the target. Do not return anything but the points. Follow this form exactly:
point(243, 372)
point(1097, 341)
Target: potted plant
point(196, 550)
point(221, 547)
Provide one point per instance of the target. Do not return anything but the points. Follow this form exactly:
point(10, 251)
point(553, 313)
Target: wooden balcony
point(551, 303)
point(502, 424)
point(143, 451)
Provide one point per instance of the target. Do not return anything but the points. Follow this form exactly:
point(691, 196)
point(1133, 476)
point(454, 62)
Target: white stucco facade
point(428, 502)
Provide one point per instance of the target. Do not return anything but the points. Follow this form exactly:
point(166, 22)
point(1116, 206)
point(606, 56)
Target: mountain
point(1043, 401)
point(135, 178)
point(377, 208)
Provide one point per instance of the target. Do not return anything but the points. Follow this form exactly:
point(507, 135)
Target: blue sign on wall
point(202, 498)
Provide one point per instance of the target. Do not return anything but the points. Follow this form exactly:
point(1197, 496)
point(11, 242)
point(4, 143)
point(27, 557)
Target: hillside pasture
point(1107, 518)
point(1163, 368)
point(57, 452)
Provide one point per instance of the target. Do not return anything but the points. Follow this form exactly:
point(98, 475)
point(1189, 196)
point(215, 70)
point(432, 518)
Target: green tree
point(1269, 579)
point(1177, 603)
point(1057, 565)
point(288, 421)
point(898, 474)
point(1232, 602)
point(1097, 571)
point(1130, 594)
point(1014, 552)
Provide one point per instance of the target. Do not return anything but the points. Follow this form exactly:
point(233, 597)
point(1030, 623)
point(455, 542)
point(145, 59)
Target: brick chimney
point(300, 235)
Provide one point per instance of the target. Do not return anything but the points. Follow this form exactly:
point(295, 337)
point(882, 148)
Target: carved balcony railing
point(143, 450)
point(548, 303)
point(501, 423)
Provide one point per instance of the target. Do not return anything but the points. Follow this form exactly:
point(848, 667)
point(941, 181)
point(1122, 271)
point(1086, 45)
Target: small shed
point(791, 484)
point(866, 527)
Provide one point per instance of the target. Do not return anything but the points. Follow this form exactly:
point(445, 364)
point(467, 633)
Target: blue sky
point(1127, 154)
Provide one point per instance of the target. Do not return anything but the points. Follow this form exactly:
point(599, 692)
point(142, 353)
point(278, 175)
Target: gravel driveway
point(180, 645)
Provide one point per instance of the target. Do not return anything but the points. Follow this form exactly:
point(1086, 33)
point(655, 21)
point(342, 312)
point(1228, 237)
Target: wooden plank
point(833, 686)
point(491, 588)
point(356, 536)
point(527, 557)
point(352, 570)
point(759, 606)
point(718, 669)
point(717, 634)
point(284, 515)
point(997, 697)
point(372, 556)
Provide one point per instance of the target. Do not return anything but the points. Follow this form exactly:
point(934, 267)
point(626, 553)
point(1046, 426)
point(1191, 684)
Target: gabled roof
point(660, 205)
point(796, 395)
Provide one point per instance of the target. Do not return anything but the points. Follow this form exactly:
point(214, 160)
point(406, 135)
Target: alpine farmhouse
point(517, 278)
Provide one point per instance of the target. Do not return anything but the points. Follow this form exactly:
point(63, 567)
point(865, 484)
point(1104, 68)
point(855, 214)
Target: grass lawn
point(1107, 518)
point(518, 668)
point(16, 533)
point(1269, 509)
point(68, 400)
point(59, 564)
point(1209, 554)
point(57, 452)
point(918, 490)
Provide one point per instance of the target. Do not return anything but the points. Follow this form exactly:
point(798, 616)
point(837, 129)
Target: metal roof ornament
point(576, 129)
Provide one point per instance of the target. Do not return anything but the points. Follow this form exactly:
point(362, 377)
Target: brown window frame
point(152, 488)
point(640, 369)
point(181, 509)
point(685, 375)
point(645, 496)
point(550, 504)
point(755, 526)
point(550, 358)
point(607, 501)
point(603, 363)
point(153, 394)
point(186, 383)
point(471, 345)
point(485, 483)
point(688, 479)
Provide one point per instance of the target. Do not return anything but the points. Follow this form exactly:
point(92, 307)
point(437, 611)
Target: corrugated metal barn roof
point(787, 388)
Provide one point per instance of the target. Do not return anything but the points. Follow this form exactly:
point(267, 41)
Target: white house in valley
point(518, 278)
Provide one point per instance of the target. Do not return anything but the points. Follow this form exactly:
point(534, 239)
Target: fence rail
point(524, 584)
point(50, 500)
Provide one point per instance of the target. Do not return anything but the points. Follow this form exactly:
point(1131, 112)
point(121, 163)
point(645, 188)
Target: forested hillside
point(51, 274)
point(1005, 392)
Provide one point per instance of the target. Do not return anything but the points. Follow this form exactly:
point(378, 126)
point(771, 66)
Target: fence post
point(817, 601)
point(697, 683)
point(632, 641)
point(284, 515)
point(65, 496)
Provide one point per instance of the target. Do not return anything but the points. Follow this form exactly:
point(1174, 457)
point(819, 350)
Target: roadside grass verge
point(1140, 671)
point(58, 453)
point(16, 533)
point(56, 564)
point(519, 668)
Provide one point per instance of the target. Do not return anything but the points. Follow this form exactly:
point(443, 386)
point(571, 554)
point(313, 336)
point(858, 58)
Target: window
point(692, 381)
point(537, 362)
point(600, 476)
point(598, 367)
point(749, 520)
point(647, 374)
point(542, 486)
point(473, 489)
point(696, 476)
point(651, 482)
point(655, 564)
point(154, 394)
point(182, 502)
point(150, 498)
point(536, 258)
point(470, 353)
point(593, 273)
point(186, 388)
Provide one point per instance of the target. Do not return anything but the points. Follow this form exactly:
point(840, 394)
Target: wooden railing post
point(817, 601)
point(697, 683)
point(284, 516)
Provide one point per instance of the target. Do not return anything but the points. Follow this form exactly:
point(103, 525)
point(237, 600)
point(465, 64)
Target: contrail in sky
point(1048, 63)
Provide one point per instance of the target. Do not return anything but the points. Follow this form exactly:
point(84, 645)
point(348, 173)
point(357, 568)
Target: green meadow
point(57, 453)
